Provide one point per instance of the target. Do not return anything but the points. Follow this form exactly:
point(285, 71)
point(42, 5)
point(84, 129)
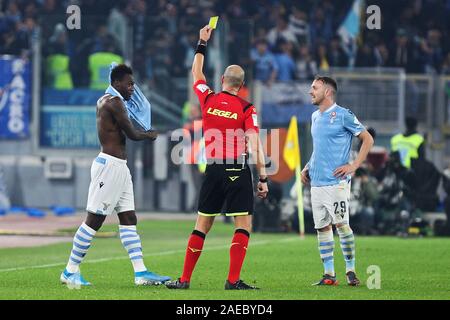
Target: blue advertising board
point(15, 97)
point(68, 127)
point(68, 120)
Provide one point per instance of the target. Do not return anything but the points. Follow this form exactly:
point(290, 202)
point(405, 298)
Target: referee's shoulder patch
point(203, 88)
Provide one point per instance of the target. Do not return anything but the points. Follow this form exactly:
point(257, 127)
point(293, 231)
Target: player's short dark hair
point(328, 81)
point(118, 72)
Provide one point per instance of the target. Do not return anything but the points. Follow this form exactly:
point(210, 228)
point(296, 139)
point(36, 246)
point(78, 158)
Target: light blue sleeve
point(351, 123)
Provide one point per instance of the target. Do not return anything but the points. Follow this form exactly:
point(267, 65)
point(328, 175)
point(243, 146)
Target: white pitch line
point(162, 253)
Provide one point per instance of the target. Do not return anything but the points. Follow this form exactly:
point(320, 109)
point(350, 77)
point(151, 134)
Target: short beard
point(317, 102)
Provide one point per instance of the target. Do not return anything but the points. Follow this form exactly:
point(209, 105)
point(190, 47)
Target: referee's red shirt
point(226, 118)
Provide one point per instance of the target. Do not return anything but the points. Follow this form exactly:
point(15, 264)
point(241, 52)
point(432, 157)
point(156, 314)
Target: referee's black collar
point(226, 92)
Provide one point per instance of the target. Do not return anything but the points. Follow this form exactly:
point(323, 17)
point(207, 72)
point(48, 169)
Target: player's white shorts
point(330, 204)
point(111, 188)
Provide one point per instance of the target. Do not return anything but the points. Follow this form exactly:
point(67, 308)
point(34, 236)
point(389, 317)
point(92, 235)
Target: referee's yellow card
point(213, 22)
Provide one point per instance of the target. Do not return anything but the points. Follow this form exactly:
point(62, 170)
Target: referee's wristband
point(265, 180)
point(201, 47)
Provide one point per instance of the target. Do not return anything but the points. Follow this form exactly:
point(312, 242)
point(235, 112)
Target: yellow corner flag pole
point(292, 157)
point(301, 217)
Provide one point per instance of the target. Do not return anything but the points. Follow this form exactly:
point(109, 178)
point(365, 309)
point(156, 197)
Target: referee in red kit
point(230, 122)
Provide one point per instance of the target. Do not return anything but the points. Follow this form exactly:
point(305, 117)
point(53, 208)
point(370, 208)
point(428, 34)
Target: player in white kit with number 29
point(329, 174)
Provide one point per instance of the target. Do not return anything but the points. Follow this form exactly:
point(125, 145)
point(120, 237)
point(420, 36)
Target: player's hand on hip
point(263, 190)
point(344, 171)
point(305, 176)
point(205, 33)
point(152, 134)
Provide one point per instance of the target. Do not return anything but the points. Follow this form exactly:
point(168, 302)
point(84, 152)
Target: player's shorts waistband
point(239, 160)
point(340, 183)
point(103, 158)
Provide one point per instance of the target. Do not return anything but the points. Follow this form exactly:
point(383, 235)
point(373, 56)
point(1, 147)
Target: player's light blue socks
point(132, 243)
point(326, 248)
point(347, 246)
point(81, 244)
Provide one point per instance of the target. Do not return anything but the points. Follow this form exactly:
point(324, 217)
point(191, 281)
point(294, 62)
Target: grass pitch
point(283, 265)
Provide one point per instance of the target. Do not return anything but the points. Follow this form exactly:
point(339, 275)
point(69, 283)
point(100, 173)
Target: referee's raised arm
point(199, 58)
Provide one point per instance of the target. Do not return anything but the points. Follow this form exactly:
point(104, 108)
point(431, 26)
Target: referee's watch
point(265, 180)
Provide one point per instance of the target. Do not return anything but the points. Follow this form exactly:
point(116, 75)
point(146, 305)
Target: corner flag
point(291, 151)
point(292, 157)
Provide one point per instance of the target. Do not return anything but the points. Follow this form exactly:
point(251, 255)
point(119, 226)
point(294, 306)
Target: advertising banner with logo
point(15, 97)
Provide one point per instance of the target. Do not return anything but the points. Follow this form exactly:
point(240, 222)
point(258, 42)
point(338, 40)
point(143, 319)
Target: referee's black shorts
point(226, 189)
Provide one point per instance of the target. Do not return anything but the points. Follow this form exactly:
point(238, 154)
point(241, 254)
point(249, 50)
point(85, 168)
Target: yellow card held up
point(213, 22)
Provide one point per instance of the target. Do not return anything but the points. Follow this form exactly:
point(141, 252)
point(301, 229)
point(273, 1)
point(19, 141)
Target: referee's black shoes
point(177, 284)
point(239, 285)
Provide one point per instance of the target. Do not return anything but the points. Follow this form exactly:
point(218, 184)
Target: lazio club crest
point(333, 116)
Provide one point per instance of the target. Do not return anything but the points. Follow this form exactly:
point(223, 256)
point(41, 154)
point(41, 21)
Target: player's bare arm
point(197, 65)
point(367, 143)
point(118, 111)
point(258, 156)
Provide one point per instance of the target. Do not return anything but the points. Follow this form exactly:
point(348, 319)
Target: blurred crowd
point(303, 40)
point(17, 22)
point(277, 39)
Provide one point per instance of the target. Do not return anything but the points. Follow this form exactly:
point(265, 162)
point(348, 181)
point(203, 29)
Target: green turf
point(283, 265)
